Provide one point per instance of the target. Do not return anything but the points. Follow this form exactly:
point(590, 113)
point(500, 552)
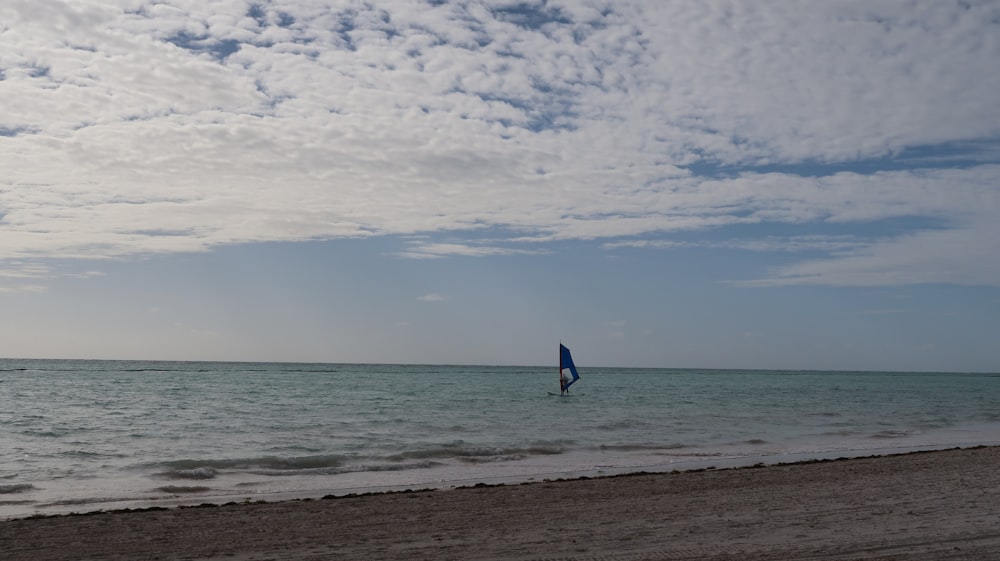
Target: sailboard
point(566, 363)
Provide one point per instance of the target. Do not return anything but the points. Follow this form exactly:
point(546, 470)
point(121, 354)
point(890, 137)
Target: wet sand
point(936, 506)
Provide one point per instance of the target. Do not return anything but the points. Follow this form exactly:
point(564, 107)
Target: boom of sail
point(566, 363)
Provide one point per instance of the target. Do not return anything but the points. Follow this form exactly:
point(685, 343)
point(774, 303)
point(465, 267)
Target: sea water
point(87, 435)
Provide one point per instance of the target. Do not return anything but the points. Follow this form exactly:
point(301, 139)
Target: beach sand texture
point(941, 505)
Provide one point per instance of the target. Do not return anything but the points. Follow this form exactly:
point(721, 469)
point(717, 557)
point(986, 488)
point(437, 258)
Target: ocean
point(79, 436)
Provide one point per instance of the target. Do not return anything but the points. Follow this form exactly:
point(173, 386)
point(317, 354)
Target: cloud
point(770, 243)
point(432, 297)
point(965, 256)
point(21, 270)
point(432, 250)
point(961, 250)
point(616, 329)
point(153, 127)
point(34, 288)
point(17, 277)
point(836, 81)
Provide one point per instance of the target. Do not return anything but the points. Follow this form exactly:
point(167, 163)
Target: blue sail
point(566, 361)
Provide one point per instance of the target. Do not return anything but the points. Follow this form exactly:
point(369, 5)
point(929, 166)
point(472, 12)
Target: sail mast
point(562, 377)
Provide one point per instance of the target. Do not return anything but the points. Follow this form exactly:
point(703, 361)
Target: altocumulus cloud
point(134, 127)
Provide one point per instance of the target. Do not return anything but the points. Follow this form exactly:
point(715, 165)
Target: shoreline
point(936, 504)
point(195, 493)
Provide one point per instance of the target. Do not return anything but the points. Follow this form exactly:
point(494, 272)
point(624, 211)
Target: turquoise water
point(85, 435)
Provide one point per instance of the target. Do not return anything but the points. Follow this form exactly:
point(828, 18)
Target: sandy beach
point(921, 506)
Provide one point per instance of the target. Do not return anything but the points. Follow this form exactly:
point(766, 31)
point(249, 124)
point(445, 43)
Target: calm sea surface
point(87, 435)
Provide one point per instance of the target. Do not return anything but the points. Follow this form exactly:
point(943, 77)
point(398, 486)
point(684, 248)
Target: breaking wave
point(467, 453)
point(640, 447)
point(354, 468)
point(193, 473)
point(275, 466)
point(179, 489)
point(890, 434)
point(15, 488)
point(209, 469)
point(333, 464)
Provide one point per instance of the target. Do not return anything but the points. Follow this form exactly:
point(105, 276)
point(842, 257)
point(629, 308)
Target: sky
point(675, 184)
